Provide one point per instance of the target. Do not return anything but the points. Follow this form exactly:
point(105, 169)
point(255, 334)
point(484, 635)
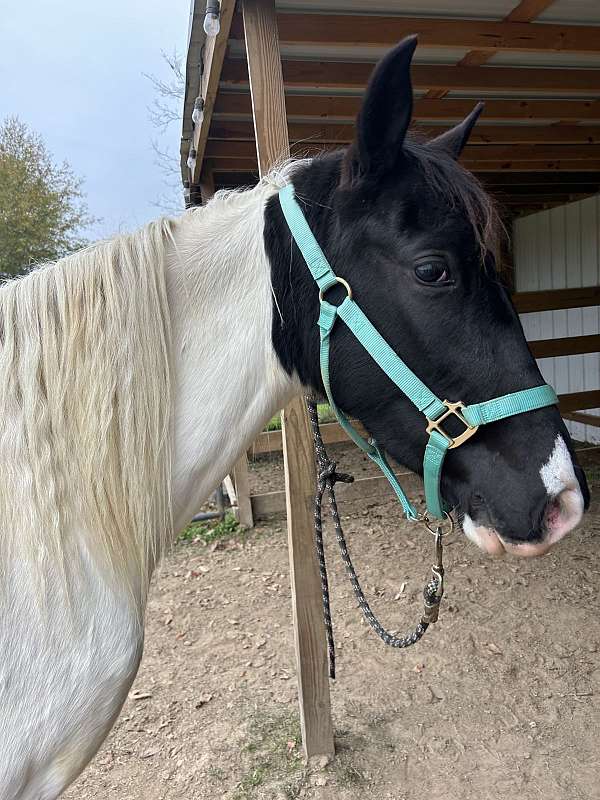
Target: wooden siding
point(558, 249)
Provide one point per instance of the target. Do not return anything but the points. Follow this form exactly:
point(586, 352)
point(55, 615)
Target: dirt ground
point(500, 700)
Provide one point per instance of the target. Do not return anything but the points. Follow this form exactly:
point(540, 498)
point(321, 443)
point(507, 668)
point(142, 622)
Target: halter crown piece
point(436, 411)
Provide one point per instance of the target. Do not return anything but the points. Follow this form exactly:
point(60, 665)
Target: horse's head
point(415, 236)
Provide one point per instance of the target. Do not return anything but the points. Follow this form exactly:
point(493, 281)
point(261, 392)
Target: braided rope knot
point(328, 473)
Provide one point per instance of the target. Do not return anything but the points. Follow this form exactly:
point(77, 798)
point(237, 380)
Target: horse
point(135, 372)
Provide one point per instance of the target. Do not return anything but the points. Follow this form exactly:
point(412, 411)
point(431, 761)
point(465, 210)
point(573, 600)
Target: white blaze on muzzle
point(563, 512)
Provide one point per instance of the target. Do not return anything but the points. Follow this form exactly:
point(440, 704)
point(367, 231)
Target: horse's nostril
point(552, 514)
point(563, 513)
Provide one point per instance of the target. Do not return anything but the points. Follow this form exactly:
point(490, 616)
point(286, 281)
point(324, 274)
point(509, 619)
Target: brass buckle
point(456, 409)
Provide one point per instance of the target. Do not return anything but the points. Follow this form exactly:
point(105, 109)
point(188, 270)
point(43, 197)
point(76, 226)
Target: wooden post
point(270, 125)
point(207, 185)
point(242, 490)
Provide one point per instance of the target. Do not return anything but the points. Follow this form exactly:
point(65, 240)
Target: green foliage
point(592, 473)
point(210, 531)
point(42, 207)
point(323, 410)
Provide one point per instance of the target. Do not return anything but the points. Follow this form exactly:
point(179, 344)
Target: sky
point(73, 71)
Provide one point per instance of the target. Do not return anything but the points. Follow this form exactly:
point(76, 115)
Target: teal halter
point(434, 409)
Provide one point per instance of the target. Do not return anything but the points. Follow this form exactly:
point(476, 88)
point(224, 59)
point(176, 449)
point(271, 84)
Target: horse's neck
point(227, 379)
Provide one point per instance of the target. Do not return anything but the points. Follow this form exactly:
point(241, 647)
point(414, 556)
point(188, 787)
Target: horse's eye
point(432, 271)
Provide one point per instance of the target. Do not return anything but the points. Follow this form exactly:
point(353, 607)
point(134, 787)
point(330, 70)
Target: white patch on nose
point(485, 538)
point(557, 473)
point(563, 512)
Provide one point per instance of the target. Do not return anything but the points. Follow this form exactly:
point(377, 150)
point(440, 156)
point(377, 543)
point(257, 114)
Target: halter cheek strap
point(436, 411)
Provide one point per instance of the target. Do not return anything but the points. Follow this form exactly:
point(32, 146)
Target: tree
point(165, 110)
point(42, 207)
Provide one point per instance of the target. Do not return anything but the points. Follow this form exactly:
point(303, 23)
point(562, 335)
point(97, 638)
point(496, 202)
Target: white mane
point(86, 399)
point(85, 408)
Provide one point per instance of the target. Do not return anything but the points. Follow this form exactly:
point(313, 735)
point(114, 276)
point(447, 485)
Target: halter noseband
point(436, 411)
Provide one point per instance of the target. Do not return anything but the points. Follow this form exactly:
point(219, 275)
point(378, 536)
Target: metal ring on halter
point(344, 283)
point(434, 530)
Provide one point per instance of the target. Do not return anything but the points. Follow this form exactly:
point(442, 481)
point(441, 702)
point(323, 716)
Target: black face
point(411, 231)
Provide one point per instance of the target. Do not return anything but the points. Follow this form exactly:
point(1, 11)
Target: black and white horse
point(133, 375)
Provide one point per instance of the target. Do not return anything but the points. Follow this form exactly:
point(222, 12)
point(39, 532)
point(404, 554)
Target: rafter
point(351, 30)
point(472, 153)
point(346, 107)
point(526, 11)
point(483, 134)
point(355, 75)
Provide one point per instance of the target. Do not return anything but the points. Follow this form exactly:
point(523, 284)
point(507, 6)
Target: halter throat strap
point(427, 402)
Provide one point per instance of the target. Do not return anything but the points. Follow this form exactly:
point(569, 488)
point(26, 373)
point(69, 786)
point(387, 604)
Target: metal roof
point(537, 87)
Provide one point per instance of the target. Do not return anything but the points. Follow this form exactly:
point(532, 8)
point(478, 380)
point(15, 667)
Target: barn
point(286, 76)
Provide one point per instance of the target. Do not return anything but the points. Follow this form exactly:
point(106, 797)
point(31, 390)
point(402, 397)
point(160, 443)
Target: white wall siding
point(558, 249)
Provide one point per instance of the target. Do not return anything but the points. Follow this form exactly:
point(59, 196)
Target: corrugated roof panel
point(578, 60)
point(423, 55)
point(530, 95)
point(573, 12)
point(475, 9)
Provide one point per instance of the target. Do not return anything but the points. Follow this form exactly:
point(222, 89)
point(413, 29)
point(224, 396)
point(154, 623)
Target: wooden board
point(568, 346)
point(472, 154)
point(556, 299)
point(355, 75)
point(584, 419)
point(577, 401)
point(483, 134)
point(242, 490)
point(272, 504)
point(361, 30)
point(270, 123)
point(346, 107)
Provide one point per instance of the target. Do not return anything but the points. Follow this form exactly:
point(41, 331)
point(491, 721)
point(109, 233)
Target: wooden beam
point(228, 180)
point(578, 401)
point(569, 346)
point(550, 189)
point(558, 166)
point(218, 149)
point(554, 198)
point(268, 102)
point(207, 184)
point(332, 433)
point(528, 10)
point(525, 11)
point(355, 75)
point(346, 107)
point(213, 56)
point(555, 299)
point(356, 30)
point(242, 488)
point(483, 134)
point(588, 456)
point(584, 419)
point(529, 179)
point(272, 504)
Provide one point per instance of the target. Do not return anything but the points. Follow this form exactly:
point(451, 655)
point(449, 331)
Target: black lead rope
point(327, 477)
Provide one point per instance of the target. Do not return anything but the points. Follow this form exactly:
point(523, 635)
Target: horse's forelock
point(460, 189)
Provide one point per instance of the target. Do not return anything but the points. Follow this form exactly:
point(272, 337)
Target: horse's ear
point(386, 111)
point(454, 140)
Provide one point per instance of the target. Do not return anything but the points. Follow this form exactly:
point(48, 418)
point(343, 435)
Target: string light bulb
point(191, 161)
point(212, 22)
point(198, 112)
